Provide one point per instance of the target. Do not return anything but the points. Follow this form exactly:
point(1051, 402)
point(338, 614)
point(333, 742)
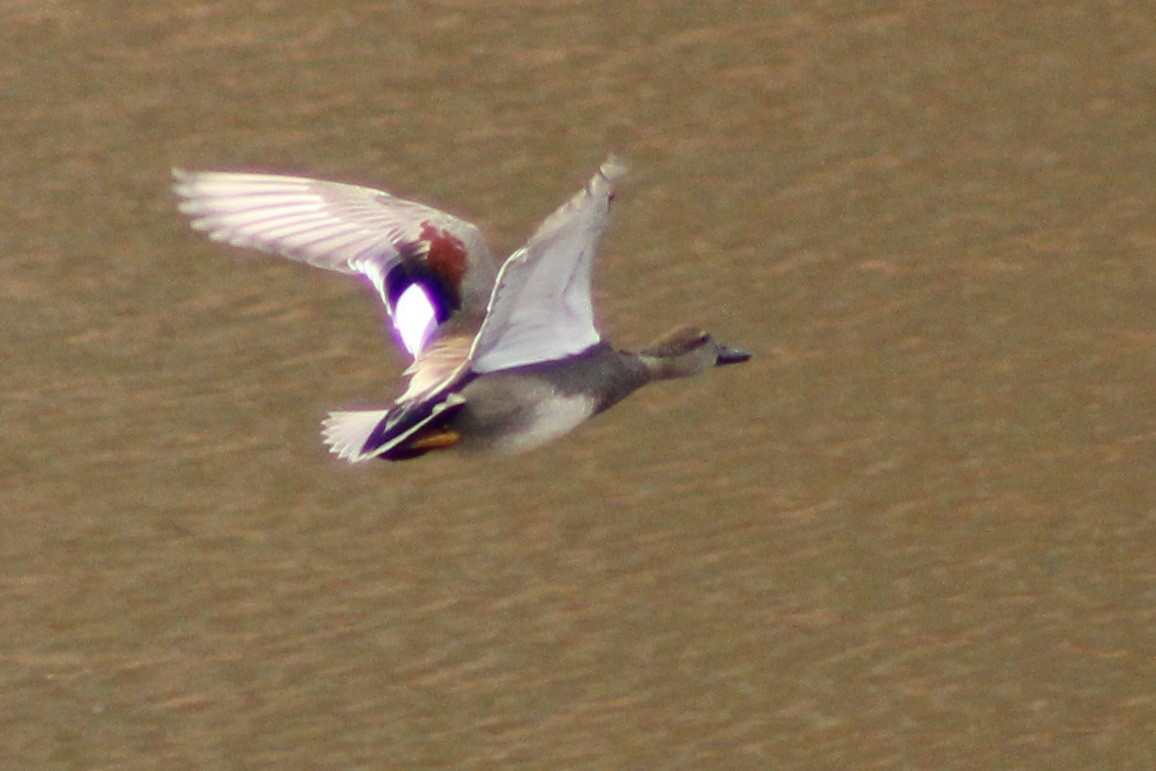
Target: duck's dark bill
point(732, 356)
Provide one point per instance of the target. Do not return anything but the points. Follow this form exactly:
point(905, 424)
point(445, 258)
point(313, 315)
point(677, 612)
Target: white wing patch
point(415, 318)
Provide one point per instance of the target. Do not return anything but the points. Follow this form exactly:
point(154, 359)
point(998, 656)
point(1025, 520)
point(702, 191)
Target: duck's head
point(688, 351)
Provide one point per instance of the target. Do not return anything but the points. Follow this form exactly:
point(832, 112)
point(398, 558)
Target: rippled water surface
point(916, 530)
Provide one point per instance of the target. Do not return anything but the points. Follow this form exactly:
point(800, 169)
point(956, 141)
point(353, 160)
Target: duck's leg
point(437, 439)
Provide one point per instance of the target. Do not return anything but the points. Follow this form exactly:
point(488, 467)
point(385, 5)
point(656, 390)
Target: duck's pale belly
point(506, 419)
point(550, 419)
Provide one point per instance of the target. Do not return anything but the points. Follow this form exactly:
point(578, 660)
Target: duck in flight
point(504, 359)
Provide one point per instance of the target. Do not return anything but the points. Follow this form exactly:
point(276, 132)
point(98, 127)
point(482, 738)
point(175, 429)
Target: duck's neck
point(658, 367)
point(623, 373)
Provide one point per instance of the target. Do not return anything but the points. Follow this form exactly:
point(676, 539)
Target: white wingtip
point(613, 169)
point(347, 432)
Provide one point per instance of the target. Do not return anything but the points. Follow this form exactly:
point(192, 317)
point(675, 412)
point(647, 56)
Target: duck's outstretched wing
point(351, 229)
point(541, 307)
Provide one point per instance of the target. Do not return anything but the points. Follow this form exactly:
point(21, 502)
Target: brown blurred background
point(918, 530)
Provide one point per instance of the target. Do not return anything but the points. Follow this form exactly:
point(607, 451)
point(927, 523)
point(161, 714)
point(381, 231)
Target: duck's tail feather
point(346, 433)
point(393, 434)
